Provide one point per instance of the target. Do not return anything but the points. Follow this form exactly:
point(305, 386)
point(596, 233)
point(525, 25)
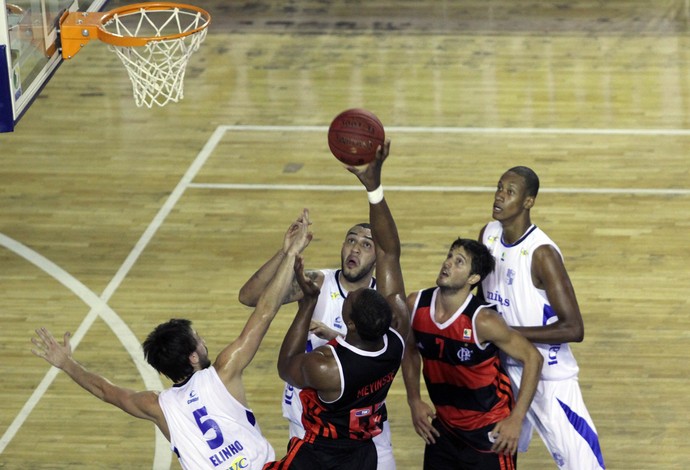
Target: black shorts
point(460, 450)
point(327, 454)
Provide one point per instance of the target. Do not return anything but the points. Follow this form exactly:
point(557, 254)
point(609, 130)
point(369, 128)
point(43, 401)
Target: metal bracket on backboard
point(76, 30)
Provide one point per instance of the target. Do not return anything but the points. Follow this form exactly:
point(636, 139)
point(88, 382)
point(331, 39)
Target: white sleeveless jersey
point(328, 311)
point(520, 303)
point(210, 429)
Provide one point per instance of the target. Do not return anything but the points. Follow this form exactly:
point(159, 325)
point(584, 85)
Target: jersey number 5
point(206, 425)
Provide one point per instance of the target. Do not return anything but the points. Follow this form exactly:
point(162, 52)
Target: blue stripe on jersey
point(548, 313)
point(583, 428)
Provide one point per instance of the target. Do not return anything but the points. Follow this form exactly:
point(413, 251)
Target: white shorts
point(384, 446)
point(560, 416)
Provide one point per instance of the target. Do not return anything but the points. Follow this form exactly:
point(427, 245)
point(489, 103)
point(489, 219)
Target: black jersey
point(366, 377)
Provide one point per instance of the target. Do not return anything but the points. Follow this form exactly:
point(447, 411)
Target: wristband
point(376, 195)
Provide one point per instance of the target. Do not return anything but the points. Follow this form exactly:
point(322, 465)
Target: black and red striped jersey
point(365, 377)
point(465, 380)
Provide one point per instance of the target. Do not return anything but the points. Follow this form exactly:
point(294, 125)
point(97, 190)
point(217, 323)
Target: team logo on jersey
point(496, 298)
point(464, 354)
point(338, 322)
point(510, 276)
point(192, 397)
point(335, 295)
point(467, 334)
point(239, 463)
point(362, 412)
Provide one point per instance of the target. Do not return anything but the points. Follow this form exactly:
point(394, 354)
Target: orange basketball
point(354, 136)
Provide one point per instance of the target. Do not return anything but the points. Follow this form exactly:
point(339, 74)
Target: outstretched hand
point(309, 288)
point(298, 235)
point(322, 330)
point(370, 174)
point(48, 348)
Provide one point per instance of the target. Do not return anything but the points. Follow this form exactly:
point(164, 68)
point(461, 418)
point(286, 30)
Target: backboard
point(28, 50)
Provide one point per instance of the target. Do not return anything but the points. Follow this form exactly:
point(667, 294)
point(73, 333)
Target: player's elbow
point(246, 298)
point(284, 374)
point(577, 333)
point(538, 360)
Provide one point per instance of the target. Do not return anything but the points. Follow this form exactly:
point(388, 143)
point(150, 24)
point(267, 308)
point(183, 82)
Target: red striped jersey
point(465, 380)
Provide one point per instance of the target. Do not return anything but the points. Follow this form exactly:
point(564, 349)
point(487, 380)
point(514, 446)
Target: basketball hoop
point(154, 41)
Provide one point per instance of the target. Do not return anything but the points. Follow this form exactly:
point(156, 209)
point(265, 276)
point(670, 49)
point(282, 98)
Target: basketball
point(354, 135)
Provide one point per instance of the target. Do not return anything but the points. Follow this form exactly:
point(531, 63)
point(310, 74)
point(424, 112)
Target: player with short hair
point(205, 415)
point(457, 337)
point(344, 383)
point(357, 265)
point(533, 292)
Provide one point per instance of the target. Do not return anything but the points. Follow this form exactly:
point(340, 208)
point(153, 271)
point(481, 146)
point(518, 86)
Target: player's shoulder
point(546, 250)
point(413, 295)
point(487, 320)
point(412, 298)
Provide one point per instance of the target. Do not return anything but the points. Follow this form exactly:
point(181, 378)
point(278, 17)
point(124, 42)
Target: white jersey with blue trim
point(520, 303)
point(210, 429)
point(328, 311)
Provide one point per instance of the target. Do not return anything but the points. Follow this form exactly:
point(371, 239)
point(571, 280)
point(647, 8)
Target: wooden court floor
point(114, 218)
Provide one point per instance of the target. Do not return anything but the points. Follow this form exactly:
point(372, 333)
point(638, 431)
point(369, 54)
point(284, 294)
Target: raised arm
point(142, 405)
point(316, 369)
point(255, 285)
point(384, 231)
point(237, 355)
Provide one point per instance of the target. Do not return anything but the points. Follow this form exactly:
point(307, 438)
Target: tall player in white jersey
point(532, 290)
point(358, 261)
point(205, 415)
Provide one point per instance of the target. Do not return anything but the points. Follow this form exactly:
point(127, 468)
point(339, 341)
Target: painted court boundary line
point(436, 189)
point(98, 305)
point(99, 308)
point(454, 130)
point(472, 130)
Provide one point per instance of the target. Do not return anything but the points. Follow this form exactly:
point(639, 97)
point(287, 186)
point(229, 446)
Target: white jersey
point(520, 303)
point(210, 429)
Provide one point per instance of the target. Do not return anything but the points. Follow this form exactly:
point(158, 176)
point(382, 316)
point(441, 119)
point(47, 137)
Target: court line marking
point(454, 189)
point(435, 189)
point(99, 307)
point(473, 130)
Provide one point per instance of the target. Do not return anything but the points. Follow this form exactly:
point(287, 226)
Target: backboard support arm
point(77, 29)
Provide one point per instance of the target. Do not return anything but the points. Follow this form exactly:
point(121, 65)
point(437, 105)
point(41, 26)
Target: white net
point(157, 69)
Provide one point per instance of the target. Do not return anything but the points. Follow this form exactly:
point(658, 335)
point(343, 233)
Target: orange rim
point(134, 41)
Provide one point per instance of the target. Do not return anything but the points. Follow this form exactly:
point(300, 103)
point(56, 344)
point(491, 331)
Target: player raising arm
point(205, 415)
point(346, 381)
